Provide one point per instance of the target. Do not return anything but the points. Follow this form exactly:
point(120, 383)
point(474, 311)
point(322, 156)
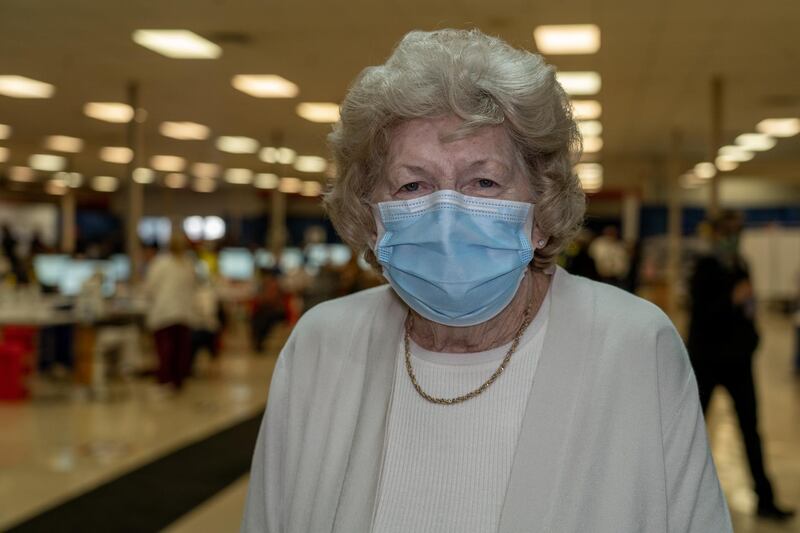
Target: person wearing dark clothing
point(721, 343)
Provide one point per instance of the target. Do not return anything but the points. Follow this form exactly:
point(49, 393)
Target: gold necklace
point(527, 318)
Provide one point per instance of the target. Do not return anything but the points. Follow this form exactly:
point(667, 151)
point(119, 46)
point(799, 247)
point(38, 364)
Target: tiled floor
point(58, 448)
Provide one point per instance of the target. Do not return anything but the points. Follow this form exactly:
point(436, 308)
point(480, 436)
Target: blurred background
point(129, 129)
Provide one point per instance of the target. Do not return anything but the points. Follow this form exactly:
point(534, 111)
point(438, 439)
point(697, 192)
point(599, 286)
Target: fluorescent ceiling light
point(724, 164)
point(239, 176)
point(56, 187)
point(205, 170)
point(311, 188)
point(105, 183)
point(168, 163)
point(121, 155)
point(323, 112)
point(290, 185)
point(109, 111)
point(755, 142)
point(175, 180)
point(4, 153)
point(268, 154)
point(177, 44)
point(5, 131)
point(21, 174)
point(310, 163)
point(579, 83)
point(586, 109)
point(22, 87)
point(204, 185)
point(567, 39)
point(735, 153)
point(590, 176)
point(705, 170)
point(72, 179)
point(592, 145)
point(265, 86)
point(143, 175)
point(47, 162)
point(237, 145)
point(184, 131)
point(63, 143)
point(266, 181)
point(779, 127)
point(590, 128)
point(286, 156)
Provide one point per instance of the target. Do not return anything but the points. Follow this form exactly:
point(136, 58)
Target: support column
point(674, 221)
point(715, 141)
point(68, 232)
point(135, 200)
point(277, 227)
point(631, 208)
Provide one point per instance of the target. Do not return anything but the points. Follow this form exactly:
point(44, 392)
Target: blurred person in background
point(206, 324)
point(483, 389)
point(722, 341)
point(578, 261)
point(269, 307)
point(170, 288)
point(610, 256)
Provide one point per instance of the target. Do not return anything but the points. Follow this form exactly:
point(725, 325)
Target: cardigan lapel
point(547, 421)
point(360, 485)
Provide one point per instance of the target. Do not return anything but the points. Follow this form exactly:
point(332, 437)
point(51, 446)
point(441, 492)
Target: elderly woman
point(482, 389)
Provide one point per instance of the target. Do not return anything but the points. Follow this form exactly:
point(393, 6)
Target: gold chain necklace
point(527, 318)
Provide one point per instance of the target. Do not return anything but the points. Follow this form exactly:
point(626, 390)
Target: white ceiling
point(656, 60)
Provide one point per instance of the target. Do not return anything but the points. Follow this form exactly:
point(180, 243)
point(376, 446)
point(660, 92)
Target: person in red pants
point(170, 285)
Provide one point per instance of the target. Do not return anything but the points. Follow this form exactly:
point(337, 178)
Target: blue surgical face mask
point(454, 259)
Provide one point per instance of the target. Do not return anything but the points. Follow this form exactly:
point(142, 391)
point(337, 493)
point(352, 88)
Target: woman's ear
point(539, 238)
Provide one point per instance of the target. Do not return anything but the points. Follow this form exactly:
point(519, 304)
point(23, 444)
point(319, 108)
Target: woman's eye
point(410, 187)
point(486, 183)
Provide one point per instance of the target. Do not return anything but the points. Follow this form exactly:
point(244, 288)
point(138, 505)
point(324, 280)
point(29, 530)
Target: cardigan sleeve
point(267, 486)
point(695, 502)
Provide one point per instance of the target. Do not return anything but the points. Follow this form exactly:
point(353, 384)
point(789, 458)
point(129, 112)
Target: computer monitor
point(265, 259)
point(120, 267)
point(236, 263)
point(339, 254)
point(291, 259)
point(77, 271)
point(49, 268)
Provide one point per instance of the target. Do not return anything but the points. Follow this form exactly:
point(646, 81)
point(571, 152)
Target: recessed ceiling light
point(310, 163)
point(736, 153)
point(177, 44)
point(168, 163)
point(63, 143)
point(175, 180)
point(121, 155)
point(311, 188)
point(237, 145)
point(755, 142)
point(74, 179)
point(579, 83)
point(205, 170)
point(286, 156)
point(143, 175)
point(590, 128)
point(47, 162)
point(204, 185)
point(567, 39)
point(5, 131)
point(105, 183)
point(4, 153)
point(586, 109)
point(109, 112)
point(22, 87)
point(322, 112)
point(184, 131)
point(724, 164)
point(21, 174)
point(290, 185)
point(266, 181)
point(56, 187)
point(590, 176)
point(779, 127)
point(239, 176)
point(592, 145)
point(705, 170)
point(265, 86)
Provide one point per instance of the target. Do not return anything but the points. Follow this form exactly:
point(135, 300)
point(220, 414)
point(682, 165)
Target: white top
point(446, 467)
point(169, 286)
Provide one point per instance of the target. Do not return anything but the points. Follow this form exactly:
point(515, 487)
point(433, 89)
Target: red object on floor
point(14, 368)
